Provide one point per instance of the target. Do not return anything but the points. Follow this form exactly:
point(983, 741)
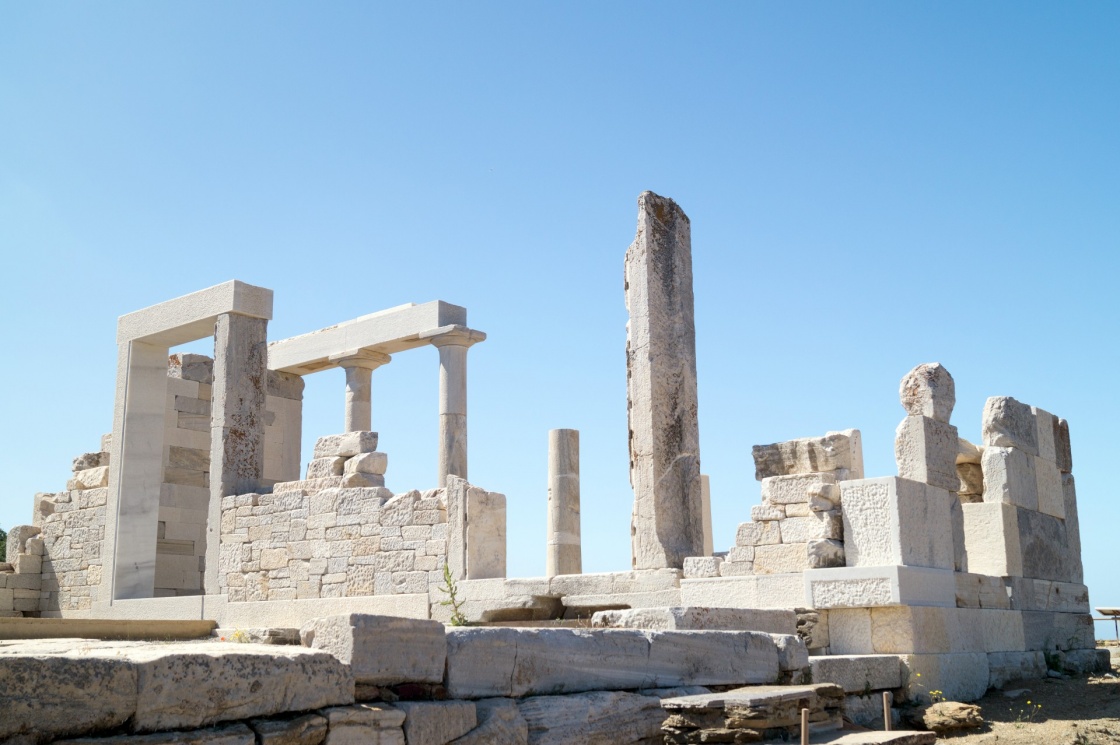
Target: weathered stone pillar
point(667, 522)
point(359, 367)
point(564, 553)
point(236, 420)
point(453, 346)
point(706, 514)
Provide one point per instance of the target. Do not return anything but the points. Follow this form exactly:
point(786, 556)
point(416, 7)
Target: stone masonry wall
point(72, 530)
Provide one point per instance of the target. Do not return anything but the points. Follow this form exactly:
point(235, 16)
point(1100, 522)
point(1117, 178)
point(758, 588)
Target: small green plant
point(451, 590)
point(1025, 715)
point(936, 696)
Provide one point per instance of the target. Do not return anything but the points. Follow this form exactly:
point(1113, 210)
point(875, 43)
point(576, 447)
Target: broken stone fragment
point(825, 553)
point(928, 390)
point(837, 454)
point(345, 445)
point(372, 463)
point(1009, 423)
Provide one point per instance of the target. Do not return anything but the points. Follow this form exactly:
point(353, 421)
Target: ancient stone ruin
point(958, 573)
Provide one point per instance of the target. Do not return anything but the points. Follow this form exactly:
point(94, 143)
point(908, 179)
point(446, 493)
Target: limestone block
point(362, 480)
point(863, 587)
point(196, 367)
point(499, 723)
point(1045, 424)
point(824, 553)
point(817, 525)
point(229, 734)
point(971, 486)
point(345, 445)
point(773, 621)
point(284, 385)
point(781, 558)
point(781, 490)
point(866, 710)
point(910, 629)
point(28, 563)
point(485, 534)
point(926, 450)
point(763, 512)
point(834, 454)
point(753, 591)
point(793, 655)
point(894, 521)
point(437, 722)
point(991, 533)
point(1042, 539)
point(484, 662)
point(1004, 667)
point(90, 460)
point(309, 729)
point(1051, 499)
point(381, 650)
point(959, 677)
point(90, 478)
point(364, 724)
point(325, 468)
point(667, 520)
point(702, 566)
point(1073, 529)
point(1083, 661)
point(1043, 630)
point(16, 541)
point(1063, 453)
point(1008, 423)
point(857, 673)
point(758, 534)
point(982, 591)
point(598, 718)
point(372, 463)
point(928, 391)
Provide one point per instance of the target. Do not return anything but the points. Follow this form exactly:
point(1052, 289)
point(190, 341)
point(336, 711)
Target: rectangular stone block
point(90, 478)
point(381, 650)
point(1073, 529)
point(1005, 667)
point(1051, 500)
point(1042, 539)
point(1048, 595)
point(1009, 476)
point(910, 629)
point(325, 468)
point(758, 534)
point(485, 534)
point(894, 521)
point(991, 534)
point(345, 445)
point(959, 677)
point(857, 673)
point(813, 527)
point(437, 722)
point(982, 591)
point(834, 453)
point(1045, 424)
point(925, 450)
point(1046, 631)
point(865, 587)
point(372, 463)
point(773, 621)
point(1009, 423)
point(782, 558)
point(749, 591)
point(696, 567)
point(781, 490)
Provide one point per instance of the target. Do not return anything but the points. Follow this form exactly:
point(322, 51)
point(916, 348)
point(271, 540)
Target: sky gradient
point(870, 185)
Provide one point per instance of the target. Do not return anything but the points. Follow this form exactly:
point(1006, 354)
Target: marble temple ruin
point(960, 572)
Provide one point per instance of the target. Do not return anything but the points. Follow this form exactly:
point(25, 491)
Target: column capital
point(367, 359)
point(453, 336)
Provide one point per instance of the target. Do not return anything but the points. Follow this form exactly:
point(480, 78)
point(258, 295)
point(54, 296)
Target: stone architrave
point(667, 522)
point(564, 552)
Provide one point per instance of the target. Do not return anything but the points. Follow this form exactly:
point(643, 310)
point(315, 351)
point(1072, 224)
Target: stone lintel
point(192, 316)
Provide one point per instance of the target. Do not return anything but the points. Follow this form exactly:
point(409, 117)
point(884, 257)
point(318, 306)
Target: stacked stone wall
point(72, 530)
point(322, 540)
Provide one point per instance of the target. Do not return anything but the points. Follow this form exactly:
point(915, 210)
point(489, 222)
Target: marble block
point(895, 521)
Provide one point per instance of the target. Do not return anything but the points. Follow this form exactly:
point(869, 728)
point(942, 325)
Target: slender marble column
point(453, 346)
point(564, 553)
point(359, 367)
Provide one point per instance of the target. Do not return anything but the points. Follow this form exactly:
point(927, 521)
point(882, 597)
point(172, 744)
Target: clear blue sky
point(871, 186)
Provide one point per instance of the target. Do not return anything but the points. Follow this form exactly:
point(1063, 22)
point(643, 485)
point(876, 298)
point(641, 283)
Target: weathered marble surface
point(667, 522)
point(381, 650)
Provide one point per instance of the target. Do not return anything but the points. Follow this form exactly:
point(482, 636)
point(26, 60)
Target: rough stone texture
point(1043, 630)
point(16, 541)
point(196, 367)
point(753, 713)
point(1042, 539)
point(345, 445)
point(783, 558)
point(364, 724)
point(308, 729)
point(696, 567)
point(1073, 529)
point(991, 533)
point(959, 677)
point(928, 391)
point(1008, 423)
point(825, 553)
point(1004, 667)
point(437, 722)
point(925, 450)
point(1063, 453)
point(487, 662)
point(834, 454)
point(55, 688)
point(1009, 476)
point(971, 486)
point(600, 718)
point(230, 734)
point(382, 650)
point(866, 709)
point(237, 422)
point(891, 521)
point(667, 523)
point(951, 716)
point(774, 621)
point(857, 673)
point(1051, 500)
point(499, 723)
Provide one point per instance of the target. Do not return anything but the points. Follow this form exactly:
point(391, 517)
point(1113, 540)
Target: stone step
point(898, 737)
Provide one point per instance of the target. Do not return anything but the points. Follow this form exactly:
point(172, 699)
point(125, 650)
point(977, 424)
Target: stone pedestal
point(564, 553)
point(667, 523)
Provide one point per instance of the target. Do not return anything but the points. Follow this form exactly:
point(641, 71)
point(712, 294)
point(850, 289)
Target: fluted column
point(359, 367)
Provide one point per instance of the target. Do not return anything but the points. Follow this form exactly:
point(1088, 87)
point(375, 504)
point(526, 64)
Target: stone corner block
point(382, 650)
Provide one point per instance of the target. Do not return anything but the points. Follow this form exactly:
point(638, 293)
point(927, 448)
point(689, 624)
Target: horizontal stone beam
point(192, 316)
point(387, 331)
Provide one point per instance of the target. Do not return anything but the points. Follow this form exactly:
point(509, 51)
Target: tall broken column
point(564, 552)
point(667, 522)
